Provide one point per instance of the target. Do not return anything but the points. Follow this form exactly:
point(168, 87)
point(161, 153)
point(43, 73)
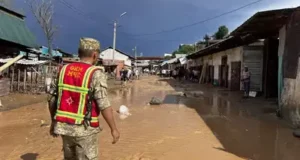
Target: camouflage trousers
point(80, 148)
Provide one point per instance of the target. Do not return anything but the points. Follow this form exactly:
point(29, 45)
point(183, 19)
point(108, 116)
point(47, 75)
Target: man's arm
point(99, 84)
point(52, 105)
point(52, 99)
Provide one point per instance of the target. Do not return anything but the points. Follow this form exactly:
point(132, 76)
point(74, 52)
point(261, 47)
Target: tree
point(222, 32)
point(43, 12)
point(206, 39)
point(168, 57)
point(184, 49)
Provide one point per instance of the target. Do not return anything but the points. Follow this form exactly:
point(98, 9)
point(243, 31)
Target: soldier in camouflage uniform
point(80, 143)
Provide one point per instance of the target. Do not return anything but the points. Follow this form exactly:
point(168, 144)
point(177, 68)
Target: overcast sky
point(94, 18)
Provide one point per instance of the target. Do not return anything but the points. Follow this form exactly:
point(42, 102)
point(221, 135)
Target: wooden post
point(37, 74)
point(19, 77)
point(9, 71)
point(12, 79)
point(25, 73)
point(36, 78)
point(31, 79)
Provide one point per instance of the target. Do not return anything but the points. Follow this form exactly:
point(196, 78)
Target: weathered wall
point(291, 71)
point(233, 55)
point(290, 98)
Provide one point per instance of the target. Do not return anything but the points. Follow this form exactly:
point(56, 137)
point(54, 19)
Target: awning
point(183, 60)
point(163, 63)
point(13, 29)
point(171, 61)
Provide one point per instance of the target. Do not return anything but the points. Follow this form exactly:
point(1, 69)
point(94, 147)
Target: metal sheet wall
point(253, 58)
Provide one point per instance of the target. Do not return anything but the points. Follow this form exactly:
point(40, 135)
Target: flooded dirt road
point(206, 124)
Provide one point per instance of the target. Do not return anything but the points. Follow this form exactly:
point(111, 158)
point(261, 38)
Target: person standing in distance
point(246, 81)
point(79, 97)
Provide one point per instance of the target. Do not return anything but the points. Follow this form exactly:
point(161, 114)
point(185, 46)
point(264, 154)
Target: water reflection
point(240, 128)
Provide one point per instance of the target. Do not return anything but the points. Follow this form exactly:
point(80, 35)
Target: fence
point(30, 79)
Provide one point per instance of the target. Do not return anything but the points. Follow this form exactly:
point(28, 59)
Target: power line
point(196, 23)
point(81, 13)
point(133, 37)
point(70, 6)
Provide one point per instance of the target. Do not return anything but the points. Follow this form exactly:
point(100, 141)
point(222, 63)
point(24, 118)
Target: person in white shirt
point(137, 73)
point(129, 74)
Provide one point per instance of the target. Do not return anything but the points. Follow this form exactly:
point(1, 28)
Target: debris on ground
point(1, 104)
point(123, 112)
point(296, 133)
point(181, 94)
point(155, 101)
point(190, 94)
point(44, 124)
point(197, 93)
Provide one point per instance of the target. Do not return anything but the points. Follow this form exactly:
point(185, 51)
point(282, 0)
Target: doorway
point(271, 68)
point(223, 72)
point(235, 76)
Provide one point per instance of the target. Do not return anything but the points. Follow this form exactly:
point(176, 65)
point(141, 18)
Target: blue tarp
point(45, 51)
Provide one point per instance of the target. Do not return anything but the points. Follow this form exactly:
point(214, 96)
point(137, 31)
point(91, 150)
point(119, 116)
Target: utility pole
point(114, 41)
point(115, 36)
point(135, 64)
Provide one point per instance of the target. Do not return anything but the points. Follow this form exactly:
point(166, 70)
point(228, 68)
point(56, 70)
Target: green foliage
point(168, 57)
point(184, 49)
point(222, 32)
point(206, 37)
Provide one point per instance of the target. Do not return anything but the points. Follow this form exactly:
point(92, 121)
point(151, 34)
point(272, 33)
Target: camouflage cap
point(89, 43)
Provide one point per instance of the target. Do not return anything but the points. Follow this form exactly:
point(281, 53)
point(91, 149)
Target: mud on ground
point(211, 125)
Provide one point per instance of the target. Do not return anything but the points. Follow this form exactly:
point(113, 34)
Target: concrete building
point(107, 55)
point(223, 65)
point(168, 55)
point(275, 65)
point(280, 31)
point(149, 63)
point(115, 61)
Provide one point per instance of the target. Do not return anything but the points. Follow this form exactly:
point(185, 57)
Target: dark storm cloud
point(144, 16)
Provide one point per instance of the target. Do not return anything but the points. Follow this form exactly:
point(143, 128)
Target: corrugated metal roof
point(173, 60)
point(264, 24)
point(180, 55)
point(23, 61)
point(149, 58)
point(228, 43)
point(261, 25)
point(13, 29)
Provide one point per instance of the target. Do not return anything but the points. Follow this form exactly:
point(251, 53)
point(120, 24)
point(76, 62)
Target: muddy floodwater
point(194, 122)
